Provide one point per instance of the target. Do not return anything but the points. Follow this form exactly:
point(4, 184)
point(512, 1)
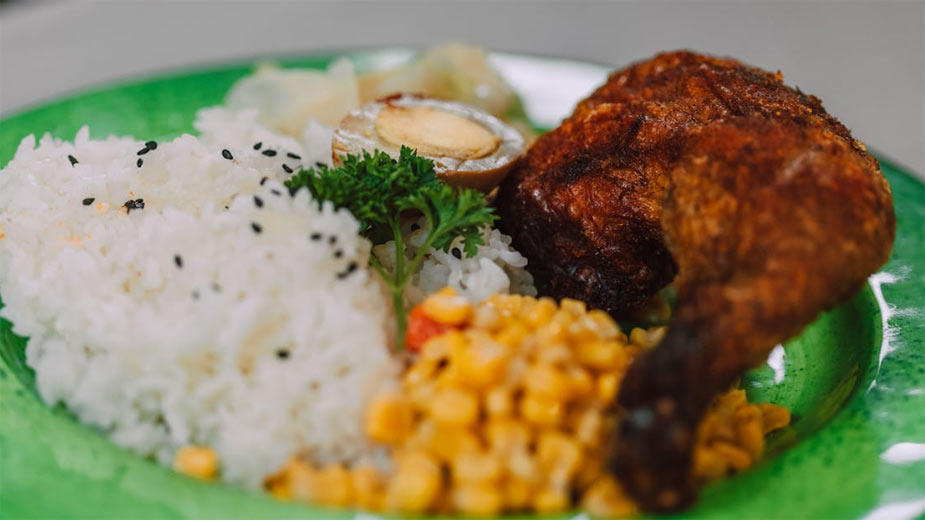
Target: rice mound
point(215, 309)
point(180, 324)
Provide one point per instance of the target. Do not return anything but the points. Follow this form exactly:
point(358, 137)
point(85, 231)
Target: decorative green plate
point(855, 379)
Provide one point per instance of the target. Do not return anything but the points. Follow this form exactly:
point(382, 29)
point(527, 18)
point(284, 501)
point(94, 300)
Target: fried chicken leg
point(768, 207)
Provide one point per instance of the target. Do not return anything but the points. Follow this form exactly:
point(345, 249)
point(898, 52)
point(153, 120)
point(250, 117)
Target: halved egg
point(470, 147)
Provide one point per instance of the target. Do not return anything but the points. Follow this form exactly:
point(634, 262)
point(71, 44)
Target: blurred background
point(866, 60)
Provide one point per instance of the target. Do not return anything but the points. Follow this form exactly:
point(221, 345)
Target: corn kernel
point(750, 435)
point(482, 363)
point(540, 410)
point(550, 501)
point(607, 386)
point(601, 355)
point(607, 328)
point(196, 461)
point(301, 479)
point(559, 456)
point(587, 424)
point(512, 335)
point(540, 312)
point(581, 385)
point(573, 307)
point(773, 417)
point(486, 317)
point(447, 307)
point(415, 485)
point(606, 499)
point(517, 493)
point(736, 456)
point(477, 499)
point(448, 442)
point(389, 418)
point(476, 466)
point(506, 435)
point(368, 488)
point(454, 406)
point(544, 380)
point(333, 486)
point(554, 353)
point(499, 402)
point(647, 339)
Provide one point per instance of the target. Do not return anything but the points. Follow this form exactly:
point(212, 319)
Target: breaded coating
point(768, 207)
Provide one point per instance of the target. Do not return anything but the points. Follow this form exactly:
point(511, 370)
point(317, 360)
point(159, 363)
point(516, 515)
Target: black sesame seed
point(72, 159)
point(338, 253)
point(315, 236)
point(256, 227)
point(216, 287)
point(276, 192)
point(177, 259)
point(287, 168)
point(294, 156)
point(269, 153)
point(456, 252)
point(351, 267)
point(151, 145)
point(258, 201)
point(320, 164)
point(415, 226)
point(264, 180)
point(227, 155)
point(257, 145)
point(134, 204)
point(282, 353)
point(195, 295)
point(140, 162)
point(332, 240)
point(143, 151)
point(87, 201)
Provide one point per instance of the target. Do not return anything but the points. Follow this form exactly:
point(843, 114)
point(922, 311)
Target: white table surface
point(866, 60)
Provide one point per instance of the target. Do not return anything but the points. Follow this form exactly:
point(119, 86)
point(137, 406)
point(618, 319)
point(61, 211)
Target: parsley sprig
point(378, 190)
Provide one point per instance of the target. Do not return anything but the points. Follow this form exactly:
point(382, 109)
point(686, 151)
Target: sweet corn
point(737, 457)
point(499, 402)
point(389, 418)
point(415, 485)
point(540, 312)
point(481, 364)
point(606, 387)
point(368, 488)
point(581, 385)
point(559, 456)
point(508, 412)
point(333, 486)
point(196, 461)
point(574, 307)
point(506, 435)
point(540, 410)
point(454, 406)
point(477, 498)
point(605, 499)
point(773, 417)
point(544, 380)
point(550, 501)
point(476, 466)
point(447, 307)
point(601, 355)
point(447, 442)
point(587, 425)
point(517, 493)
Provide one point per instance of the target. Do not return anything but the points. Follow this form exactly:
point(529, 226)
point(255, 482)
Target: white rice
point(164, 326)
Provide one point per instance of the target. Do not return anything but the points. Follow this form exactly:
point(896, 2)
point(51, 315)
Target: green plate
point(855, 379)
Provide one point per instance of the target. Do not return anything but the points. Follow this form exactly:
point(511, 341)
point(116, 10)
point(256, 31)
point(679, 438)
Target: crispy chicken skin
point(768, 207)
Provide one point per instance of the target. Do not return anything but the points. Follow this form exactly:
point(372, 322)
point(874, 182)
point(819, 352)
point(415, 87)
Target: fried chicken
point(765, 207)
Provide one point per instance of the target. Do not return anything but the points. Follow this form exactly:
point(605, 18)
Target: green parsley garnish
point(378, 190)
